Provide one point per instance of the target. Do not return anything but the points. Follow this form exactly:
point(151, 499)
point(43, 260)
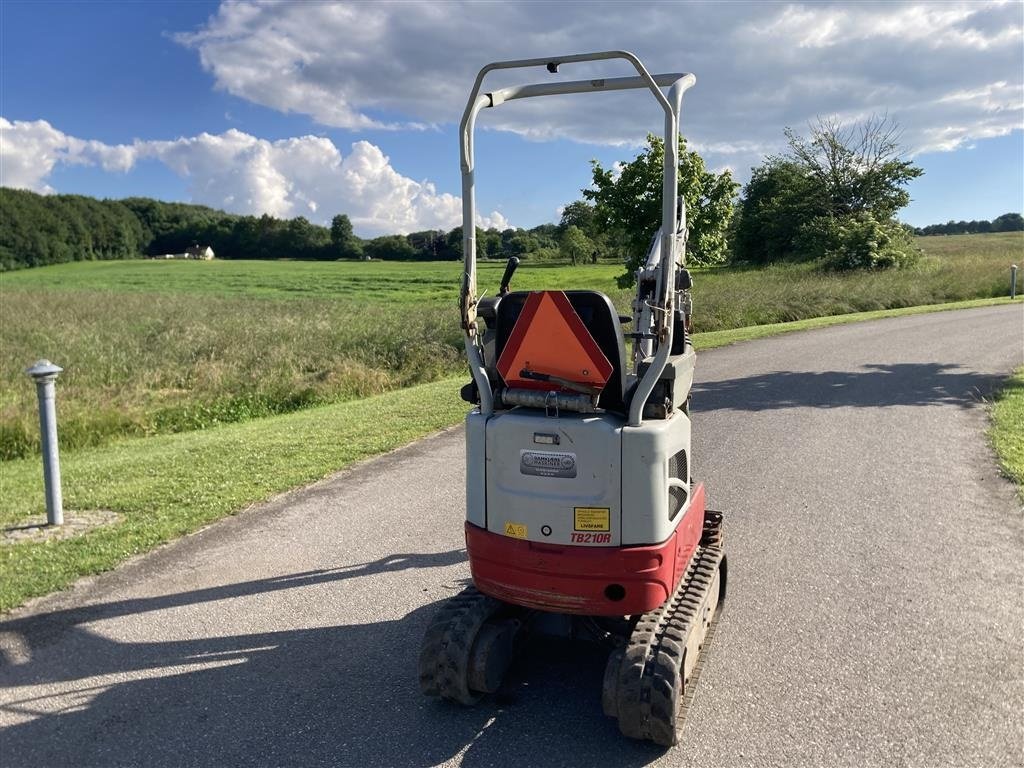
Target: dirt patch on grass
point(75, 524)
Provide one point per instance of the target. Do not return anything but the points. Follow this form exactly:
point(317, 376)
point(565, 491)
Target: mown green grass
point(1008, 429)
point(412, 283)
point(167, 486)
point(164, 487)
point(158, 347)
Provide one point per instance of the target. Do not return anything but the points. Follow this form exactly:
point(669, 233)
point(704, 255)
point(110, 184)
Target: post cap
point(43, 369)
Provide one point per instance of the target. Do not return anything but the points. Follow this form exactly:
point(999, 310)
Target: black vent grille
point(678, 467)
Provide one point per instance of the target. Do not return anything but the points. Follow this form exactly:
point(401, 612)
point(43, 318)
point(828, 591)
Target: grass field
point(432, 282)
point(156, 347)
point(952, 268)
point(165, 486)
point(142, 364)
point(170, 367)
point(1008, 429)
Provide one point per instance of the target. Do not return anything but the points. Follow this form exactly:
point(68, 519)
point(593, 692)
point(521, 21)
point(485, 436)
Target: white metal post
point(45, 374)
point(1013, 281)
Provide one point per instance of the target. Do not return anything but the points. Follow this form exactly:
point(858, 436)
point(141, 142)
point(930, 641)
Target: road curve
point(875, 614)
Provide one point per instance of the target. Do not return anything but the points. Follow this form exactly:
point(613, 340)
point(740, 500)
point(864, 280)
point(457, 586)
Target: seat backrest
point(600, 318)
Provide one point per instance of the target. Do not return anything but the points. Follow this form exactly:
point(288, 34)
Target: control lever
point(510, 269)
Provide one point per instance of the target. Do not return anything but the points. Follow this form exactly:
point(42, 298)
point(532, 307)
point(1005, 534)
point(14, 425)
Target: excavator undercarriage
point(652, 670)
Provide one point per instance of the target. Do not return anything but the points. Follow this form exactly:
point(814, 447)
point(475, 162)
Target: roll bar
point(677, 83)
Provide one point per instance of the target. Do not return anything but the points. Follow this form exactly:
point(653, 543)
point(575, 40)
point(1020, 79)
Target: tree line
point(1008, 222)
point(52, 229)
point(832, 198)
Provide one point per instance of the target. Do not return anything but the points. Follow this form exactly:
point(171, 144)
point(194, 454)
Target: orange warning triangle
point(549, 338)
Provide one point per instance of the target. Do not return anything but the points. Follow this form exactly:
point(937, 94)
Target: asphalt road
point(875, 614)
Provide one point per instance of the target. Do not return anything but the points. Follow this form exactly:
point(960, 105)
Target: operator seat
point(600, 318)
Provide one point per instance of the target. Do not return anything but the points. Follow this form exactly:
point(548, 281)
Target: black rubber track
point(652, 697)
point(448, 644)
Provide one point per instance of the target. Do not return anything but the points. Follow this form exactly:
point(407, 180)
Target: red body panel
point(568, 579)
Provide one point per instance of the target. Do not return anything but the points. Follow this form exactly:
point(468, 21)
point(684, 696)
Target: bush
point(544, 255)
point(861, 241)
point(815, 238)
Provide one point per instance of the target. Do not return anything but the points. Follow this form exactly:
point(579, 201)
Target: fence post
point(45, 374)
point(1013, 281)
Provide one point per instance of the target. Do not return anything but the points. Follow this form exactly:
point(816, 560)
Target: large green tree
point(575, 246)
point(344, 243)
point(578, 214)
point(777, 201)
point(832, 197)
point(856, 168)
point(629, 203)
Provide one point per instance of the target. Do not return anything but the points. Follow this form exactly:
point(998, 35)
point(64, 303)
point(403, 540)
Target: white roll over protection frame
point(672, 246)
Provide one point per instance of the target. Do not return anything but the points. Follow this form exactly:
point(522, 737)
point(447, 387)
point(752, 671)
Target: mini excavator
point(582, 516)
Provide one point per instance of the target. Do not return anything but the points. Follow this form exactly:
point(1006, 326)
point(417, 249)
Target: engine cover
point(554, 480)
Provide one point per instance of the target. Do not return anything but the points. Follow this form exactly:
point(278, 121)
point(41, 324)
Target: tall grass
point(154, 347)
point(144, 364)
point(734, 298)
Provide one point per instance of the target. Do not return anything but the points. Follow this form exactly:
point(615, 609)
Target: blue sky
point(314, 109)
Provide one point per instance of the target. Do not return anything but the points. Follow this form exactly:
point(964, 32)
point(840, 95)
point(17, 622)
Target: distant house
point(202, 252)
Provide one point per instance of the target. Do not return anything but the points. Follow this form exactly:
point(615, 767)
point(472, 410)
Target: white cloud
point(30, 150)
point(934, 25)
point(950, 73)
point(494, 221)
point(760, 66)
point(28, 153)
point(303, 176)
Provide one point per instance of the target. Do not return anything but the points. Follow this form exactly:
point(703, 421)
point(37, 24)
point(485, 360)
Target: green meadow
point(158, 347)
point(193, 390)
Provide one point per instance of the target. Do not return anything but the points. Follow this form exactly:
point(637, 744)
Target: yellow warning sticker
point(591, 519)
point(515, 530)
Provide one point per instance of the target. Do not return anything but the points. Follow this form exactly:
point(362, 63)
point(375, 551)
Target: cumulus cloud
point(760, 66)
point(950, 73)
point(494, 220)
point(303, 176)
point(29, 151)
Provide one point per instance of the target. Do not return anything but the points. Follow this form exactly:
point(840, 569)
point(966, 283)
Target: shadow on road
point(876, 386)
point(343, 695)
point(45, 629)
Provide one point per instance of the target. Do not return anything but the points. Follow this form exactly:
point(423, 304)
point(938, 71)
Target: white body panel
point(514, 483)
point(476, 488)
point(646, 452)
point(539, 484)
point(613, 466)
